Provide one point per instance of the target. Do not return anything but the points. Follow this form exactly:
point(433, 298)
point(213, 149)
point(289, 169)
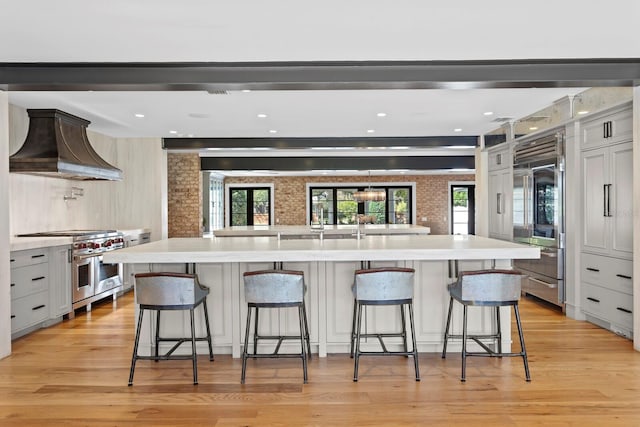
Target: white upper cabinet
point(607, 129)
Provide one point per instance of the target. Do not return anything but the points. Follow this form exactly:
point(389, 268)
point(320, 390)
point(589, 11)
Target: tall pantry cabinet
point(500, 186)
point(607, 224)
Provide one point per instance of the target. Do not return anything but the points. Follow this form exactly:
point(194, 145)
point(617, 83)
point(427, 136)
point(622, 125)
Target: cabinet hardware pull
point(37, 256)
point(38, 307)
point(609, 200)
point(624, 310)
point(622, 276)
point(604, 129)
point(604, 200)
point(499, 201)
point(593, 299)
point(13, 284)
point(35, 279)
point(593, 269)
point(13, 260)
point(13, 316)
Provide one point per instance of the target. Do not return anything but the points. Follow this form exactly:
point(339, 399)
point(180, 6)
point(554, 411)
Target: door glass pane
point(460, 210)
point(347, 207)
point(399, 206)
point(238, 207)
point(374, 212)
point(322, 206)
point(261, 207)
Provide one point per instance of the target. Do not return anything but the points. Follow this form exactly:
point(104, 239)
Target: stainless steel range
point(92, 278)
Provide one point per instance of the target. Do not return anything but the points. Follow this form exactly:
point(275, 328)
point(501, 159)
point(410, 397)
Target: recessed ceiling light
point(173, 131)
point(370, 130)
point(583, 112)
point(262, 115)
point(381, 114)
point(533, 128)
point(457, 130)
point(273, 131)
point(246, 90)
point(139, 115)
point(488, 113)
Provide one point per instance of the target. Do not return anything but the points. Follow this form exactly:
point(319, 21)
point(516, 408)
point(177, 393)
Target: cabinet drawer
point(622, 310)
point(610, 129)
point(594, 300)
point(606, 304)
point(29, 257)
point(30, 310)
point(612, 273)
point(29, 280)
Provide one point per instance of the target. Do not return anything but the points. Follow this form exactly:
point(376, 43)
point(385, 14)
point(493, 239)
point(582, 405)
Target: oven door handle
point(548, 285)
point(83, 257)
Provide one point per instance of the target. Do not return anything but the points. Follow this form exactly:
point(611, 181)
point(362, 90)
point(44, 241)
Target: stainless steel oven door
point(107, 275)
point(83, 277)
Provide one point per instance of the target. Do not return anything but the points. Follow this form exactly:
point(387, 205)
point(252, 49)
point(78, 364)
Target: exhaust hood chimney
point(57, 146)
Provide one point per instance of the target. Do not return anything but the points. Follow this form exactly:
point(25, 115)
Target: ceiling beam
point(333, 142)
point(337, 163)
point(213, 77)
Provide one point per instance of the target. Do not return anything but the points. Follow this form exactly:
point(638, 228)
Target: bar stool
point(275, 289)
point(383, 286)
point(488, 288)
point(170, 291)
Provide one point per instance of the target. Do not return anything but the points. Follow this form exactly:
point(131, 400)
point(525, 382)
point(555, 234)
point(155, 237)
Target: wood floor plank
point(75, 374)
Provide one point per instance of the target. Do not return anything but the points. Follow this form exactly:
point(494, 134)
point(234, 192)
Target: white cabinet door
point(595, 176)
point(500, 206)
point(621, 208)
point(607, 181)
point(60, 283)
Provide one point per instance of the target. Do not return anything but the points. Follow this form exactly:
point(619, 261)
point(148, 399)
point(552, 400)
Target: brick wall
point(431, 195)
point(185, 195)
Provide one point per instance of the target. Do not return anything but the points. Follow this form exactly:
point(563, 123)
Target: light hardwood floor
point(75, 374)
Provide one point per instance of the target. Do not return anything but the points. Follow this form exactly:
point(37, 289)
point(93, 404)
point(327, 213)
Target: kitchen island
point(328, 266)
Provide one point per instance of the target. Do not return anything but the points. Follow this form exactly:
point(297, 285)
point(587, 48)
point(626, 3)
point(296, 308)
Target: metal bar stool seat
point(275, 289)
point(383, 286)
point(489, 288)
point(171, 291)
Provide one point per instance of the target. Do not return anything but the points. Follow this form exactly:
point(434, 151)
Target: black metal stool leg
point(255, 334)
point(306, 329)
point(357, 342)
point(353, 327)
point(193, 347)
point(157, 333)
point(302, 341)
point(206, 322)
point(414, 343)
point(499, 330)
point(404, 328)
point(522, 347)
point(464, 343)
point(446, 330)
point(135, 348)
point(246, 345)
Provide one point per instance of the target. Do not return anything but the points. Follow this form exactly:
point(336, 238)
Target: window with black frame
point(337, 206)
point(250, 205)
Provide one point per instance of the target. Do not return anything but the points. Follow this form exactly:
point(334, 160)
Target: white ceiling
point(295, 30)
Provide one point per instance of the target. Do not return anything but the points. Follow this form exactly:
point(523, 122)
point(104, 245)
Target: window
point(212, 202)
point(250, 205)
point(336, 205)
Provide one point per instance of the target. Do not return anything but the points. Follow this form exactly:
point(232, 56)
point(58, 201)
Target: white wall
point(5, 292)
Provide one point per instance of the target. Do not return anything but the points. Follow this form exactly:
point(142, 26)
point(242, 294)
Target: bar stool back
point(170, 291)
point(383, 286)
point(489, 288)
point(275, 289)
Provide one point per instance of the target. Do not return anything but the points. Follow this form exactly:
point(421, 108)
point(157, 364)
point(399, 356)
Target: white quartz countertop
point(273, 230)
point(372, 248)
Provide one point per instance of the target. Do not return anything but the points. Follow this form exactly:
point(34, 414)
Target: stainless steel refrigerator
point(538, 214)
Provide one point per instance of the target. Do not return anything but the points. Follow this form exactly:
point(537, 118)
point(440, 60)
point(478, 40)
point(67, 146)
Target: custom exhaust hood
point(57, 146)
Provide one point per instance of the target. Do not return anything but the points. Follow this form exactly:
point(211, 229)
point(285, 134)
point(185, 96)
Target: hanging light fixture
point(370, 194)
